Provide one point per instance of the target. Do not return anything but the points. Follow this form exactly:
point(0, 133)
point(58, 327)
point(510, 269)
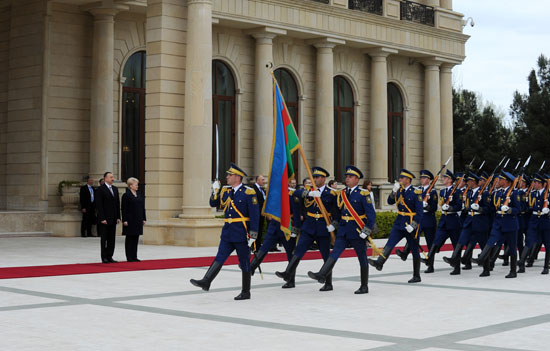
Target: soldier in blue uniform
point(409, 215)
point(476, 225)
point(461, 191)
point(242, 217)
point(274, 235)
point(505, 223)
point(449, 223)
point(349, 230)
point(539, 223)
point(428, 222)
point(314, 227)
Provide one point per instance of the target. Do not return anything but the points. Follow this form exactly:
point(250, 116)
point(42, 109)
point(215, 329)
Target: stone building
point(145, 88)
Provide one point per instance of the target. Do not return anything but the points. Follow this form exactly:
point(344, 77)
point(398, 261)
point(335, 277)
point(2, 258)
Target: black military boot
point(245, 292)
point(494, 256)
point(403, 254)
point(537, 250)
point(513, 265)
point(430, 260)
point(321, 276)
point(546, 261)
point(379, 262)
point(467, 257)
point(505, 256)
point(522, 259)
point(533, 253)
point(211, 273)
point(328, 283)
point(257, 260)
point(291, 283)
point(486, 269)
point(483, 256)
point(454, 260)
point(364, 288)
point(416, 271)
point(290, 270)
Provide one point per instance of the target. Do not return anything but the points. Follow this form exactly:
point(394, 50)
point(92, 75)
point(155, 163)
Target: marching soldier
point(409, 209)
point(314, 227)
point(506, 203)
point(356, 223)
point(274, 235)
point(476, 225)
point(242, 216)
point(539, 223)
point(449, 223)
point(428, 223)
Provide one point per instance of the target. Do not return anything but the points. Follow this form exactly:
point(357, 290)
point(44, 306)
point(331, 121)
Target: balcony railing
point(415, 12)
point(371, 6)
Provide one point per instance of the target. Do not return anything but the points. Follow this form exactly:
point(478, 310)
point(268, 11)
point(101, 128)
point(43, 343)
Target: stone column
point(432, 114)
point(324, 103)
point(447, 4)
point(446, 83)
point(101, 107)
point(197, 126)
point(263, 98)
point(379, 115)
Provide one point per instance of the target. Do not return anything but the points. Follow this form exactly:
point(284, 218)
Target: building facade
point(171, 91)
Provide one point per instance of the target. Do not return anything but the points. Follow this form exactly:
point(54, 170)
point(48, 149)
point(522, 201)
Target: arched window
point(343, 126)
point(289, 89)
point(133, 118)
point(395, 132)
point(223, 119)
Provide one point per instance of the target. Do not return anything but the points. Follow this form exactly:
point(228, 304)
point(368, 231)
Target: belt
point(350, 218)
point(231, 220)
point(411, 214)
point(503, 213)
point(539, 213)
point(473, 213)
point(445, 213)
point(315, 215)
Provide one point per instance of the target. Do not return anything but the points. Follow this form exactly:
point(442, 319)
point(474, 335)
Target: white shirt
point(237, 188)
point(110, 189)
point(262, 190)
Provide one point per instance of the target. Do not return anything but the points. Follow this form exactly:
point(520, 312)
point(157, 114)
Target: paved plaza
point(160, 309)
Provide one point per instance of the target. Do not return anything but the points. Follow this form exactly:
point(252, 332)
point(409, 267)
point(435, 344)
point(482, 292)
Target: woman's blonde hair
point(132, 180)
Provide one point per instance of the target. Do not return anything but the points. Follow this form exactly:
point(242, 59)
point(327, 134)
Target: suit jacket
point(259, 196)
point(133, 212)
point(86, 198)
point(107, 205)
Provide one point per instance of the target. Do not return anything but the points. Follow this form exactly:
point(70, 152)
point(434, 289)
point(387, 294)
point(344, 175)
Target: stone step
point(24, 234)
point(21, 221)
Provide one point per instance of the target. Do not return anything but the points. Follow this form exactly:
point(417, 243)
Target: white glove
point(424, 204)
point(251, 242)
point(216, 186)
point(545, 211)
point(294, 232)
point(293, 235)
point(475, 207)
point(365, 232)
point(409, 228)
point(445, 207)
point(396, 187)
point(504, 208)
point(314, 193)
point(330, 228)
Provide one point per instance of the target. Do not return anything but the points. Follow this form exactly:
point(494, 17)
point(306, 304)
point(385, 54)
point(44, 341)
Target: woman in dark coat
point(133, 218)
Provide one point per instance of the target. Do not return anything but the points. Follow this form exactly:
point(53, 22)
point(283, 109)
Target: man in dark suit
point(107, 205)
point(260, 195)
point(87, 207)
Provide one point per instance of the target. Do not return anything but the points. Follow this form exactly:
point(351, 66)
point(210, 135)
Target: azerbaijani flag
point(285, 142)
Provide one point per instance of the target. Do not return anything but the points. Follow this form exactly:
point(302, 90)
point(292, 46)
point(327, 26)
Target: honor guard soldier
point(357, 218)
point(314, 227)
point(539, 223)
point(409, 214)
point(476, 225)
point(506, 203)
point(274, 235)
point(242, 216)
point(428, 223)
point(449, 223)
point(461, 191)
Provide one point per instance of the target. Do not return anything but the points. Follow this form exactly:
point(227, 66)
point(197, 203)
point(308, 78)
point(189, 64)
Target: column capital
point(447, 67)
point(199, 2)
point(266, 33)
point(381, 52)
point(326, 43)
point(105, 13)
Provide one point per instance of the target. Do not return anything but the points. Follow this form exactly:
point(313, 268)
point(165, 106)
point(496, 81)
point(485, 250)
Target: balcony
point(418, 13)
point(371, 6)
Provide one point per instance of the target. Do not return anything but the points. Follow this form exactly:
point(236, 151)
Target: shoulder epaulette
point(364, 192)
point(417, 191)
point(249, 191)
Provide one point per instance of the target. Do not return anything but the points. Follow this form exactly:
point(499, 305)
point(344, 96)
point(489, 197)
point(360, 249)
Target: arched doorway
point(395, 132)
point(343, 126)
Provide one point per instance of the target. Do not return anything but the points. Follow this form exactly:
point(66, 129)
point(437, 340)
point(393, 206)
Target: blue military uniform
point(409, 215)
point(349, 230)
point(241, 217)
point(428, 223)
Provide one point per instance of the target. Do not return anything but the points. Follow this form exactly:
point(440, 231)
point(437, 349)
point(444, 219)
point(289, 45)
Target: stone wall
point(4, 59)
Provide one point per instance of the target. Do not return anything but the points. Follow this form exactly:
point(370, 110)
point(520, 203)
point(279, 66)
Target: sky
point(506, 40)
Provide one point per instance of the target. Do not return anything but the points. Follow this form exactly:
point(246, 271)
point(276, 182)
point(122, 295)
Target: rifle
point(435, 180)
point(516, 182)
point(489, 180)
point(495, 183)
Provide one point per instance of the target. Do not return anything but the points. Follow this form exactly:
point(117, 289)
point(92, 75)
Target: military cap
point(352, 170)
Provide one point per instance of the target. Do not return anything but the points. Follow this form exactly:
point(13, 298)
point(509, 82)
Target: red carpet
point(90, 268)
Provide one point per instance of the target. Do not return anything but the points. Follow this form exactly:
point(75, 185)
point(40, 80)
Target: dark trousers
point(272, 237)
point(87, 222)
point(131, 246)
point(397, 234)
point(359, 245)
point(243, 252)
point(107, 232)
point(305, 241)
point(429, 235)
